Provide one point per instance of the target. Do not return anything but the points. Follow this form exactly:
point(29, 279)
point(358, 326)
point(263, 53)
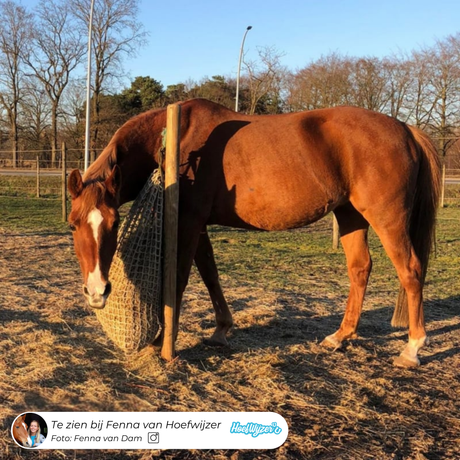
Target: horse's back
point(288, 170)
point(285, 171)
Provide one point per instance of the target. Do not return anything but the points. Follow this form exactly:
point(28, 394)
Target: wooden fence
point(34, 179)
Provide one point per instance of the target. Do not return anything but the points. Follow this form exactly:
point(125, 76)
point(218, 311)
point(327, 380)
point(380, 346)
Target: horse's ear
point(75, 183)
point(113, 182)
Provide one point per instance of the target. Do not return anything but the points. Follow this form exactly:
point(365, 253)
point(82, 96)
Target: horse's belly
point(269, 190)
point(268, 209)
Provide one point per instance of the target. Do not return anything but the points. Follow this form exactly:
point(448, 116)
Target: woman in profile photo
point(35, 434)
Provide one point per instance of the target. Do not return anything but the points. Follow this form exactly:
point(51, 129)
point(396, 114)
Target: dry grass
point(351, 404)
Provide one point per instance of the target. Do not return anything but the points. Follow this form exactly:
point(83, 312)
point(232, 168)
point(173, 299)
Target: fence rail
point(35, 180)
point(31, 165)
point(27, 159)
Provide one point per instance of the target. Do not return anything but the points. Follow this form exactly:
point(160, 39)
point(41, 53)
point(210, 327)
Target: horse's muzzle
point(97, 300)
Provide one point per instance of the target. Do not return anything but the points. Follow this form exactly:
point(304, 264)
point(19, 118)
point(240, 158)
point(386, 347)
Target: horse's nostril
point(108, 289)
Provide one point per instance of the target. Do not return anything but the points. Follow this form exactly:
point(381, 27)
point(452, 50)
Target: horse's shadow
point(309, 326)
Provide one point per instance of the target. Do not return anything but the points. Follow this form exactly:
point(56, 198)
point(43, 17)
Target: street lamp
point(88, 86)
point(239, 68)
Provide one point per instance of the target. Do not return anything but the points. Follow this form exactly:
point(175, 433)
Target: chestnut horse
point(19, 431)
point(273, 172)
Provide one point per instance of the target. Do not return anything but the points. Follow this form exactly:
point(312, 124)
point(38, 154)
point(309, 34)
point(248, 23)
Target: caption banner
point(163, 430)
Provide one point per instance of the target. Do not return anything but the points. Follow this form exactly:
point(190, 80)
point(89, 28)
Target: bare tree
point(117, 32)
point(399, 70)
point(370, 82)
point(325, 82)
point(57, 51)
point(35, 114)
point(420, 99)
point(265, 79)
point(72, 114)
point(14, 38)
point(444, 70)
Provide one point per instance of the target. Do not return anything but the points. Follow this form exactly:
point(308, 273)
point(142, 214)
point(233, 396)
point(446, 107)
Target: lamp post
point(239, 68)
point(88, 86)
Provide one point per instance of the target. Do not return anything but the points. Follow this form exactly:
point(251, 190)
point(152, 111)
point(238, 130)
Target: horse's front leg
point(188, 236)
point(206, 264)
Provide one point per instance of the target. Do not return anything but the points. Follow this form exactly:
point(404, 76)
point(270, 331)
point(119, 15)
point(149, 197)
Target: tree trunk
point(54, 133)
point(14, 142)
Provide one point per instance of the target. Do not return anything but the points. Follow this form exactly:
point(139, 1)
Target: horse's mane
point(127, 135)
point(110, 156)
point(103, 165)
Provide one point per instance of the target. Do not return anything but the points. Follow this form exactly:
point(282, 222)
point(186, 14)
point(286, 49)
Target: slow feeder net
point(131, 317)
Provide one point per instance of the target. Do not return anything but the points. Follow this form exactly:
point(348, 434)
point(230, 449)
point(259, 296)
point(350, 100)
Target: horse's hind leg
point(353, 230)
point(396, 241)
point(204, 259)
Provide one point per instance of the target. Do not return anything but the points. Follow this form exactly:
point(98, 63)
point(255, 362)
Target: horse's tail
point(423, 216)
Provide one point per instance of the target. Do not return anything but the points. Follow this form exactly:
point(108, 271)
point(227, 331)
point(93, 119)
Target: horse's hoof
point(406, 361)
point(331, 342)
point(216, 342)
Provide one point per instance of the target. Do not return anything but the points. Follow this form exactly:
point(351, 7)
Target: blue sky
point(201, 38)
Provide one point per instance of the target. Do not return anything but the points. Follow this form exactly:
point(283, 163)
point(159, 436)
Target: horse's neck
point(136, 165)
point(134, 148)
point(141, 139)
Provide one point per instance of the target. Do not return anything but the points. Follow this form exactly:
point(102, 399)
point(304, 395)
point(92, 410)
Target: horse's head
point(94, 223)
point(20, 433)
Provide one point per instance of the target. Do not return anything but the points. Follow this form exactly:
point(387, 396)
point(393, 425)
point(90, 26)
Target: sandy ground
point(350, 404)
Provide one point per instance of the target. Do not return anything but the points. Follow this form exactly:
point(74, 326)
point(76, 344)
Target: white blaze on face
point(95, 220)
point(29, 441)
point(95, 284)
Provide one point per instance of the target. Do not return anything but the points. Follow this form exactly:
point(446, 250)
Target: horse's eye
point(72, 227)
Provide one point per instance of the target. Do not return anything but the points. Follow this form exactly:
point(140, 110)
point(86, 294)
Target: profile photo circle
point(29, 430)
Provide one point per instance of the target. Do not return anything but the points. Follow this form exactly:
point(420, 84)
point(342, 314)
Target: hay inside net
point(132, 315)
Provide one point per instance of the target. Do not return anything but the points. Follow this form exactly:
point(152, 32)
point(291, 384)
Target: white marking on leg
point(95, 220)
point(413, 347)
point(332, 341)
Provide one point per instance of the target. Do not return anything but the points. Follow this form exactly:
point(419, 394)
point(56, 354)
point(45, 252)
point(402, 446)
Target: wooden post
point(170, 226)
point(64, 183)
point(443, 170)
point(335, 233)
point(38, 177)
point(443, 177)
point(443, 182)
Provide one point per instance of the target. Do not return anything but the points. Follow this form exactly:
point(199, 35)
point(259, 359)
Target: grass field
point(26, 186)
point(287, 291)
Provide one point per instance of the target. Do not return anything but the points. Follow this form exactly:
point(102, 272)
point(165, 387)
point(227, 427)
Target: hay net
point(132, 315)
